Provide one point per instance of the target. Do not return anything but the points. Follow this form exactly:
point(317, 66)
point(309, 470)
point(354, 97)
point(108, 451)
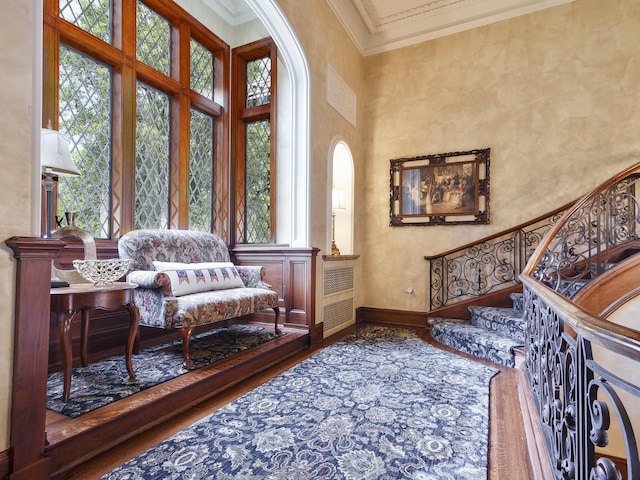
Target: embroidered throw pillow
point(162, 266)
point(185, 281)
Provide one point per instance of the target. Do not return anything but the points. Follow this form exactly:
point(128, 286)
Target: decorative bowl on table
point(102, 272)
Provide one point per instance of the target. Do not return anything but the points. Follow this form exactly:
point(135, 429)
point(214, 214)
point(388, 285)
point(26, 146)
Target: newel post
point(30, 355)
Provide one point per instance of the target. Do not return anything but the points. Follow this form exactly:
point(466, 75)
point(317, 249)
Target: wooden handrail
point(494, 262)
point(540, 251)
point(617, 338)
point(574, 388)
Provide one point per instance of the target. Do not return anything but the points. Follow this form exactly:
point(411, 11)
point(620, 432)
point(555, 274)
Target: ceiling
point(380, 25)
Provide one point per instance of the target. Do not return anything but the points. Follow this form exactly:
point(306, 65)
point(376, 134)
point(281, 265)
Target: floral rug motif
point(107, 381)
point(381, 404)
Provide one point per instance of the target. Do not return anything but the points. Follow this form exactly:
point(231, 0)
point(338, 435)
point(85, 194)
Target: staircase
point(491, 334)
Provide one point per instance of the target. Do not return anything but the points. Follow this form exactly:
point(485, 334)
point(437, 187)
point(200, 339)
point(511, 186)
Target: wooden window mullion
point(126, 72)
point(243, 115)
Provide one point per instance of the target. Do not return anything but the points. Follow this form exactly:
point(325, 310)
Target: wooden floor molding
point(537, 449)
point(391, 317)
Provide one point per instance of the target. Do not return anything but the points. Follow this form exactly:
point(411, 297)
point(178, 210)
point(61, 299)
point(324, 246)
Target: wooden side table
point(67, 302)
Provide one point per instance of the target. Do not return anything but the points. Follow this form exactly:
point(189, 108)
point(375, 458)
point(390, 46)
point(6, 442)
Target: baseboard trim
point(392, 317)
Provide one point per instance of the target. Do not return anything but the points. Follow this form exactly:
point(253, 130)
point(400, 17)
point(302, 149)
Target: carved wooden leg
point(134, 321)
point(277, 310)
point(64, 331)
point(185, 333)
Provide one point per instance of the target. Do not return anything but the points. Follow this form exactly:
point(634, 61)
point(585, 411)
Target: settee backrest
point(185, 246)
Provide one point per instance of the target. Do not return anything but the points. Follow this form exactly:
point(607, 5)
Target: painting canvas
point(440, 189)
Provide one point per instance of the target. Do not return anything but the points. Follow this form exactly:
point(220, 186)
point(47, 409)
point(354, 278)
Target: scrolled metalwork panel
point(480, 269)
point(486, 266)
point(577, 399)
point(605, 408)
point(582, 249)
point(438, 282)
point(552, 368)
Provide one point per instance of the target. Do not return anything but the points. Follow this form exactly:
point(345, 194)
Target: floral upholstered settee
point(185, 279)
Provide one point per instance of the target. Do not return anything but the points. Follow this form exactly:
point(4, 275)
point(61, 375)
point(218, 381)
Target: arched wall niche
point(341, 175)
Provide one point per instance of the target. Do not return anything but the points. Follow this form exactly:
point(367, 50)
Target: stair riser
point(493, 321)
point(464, 344)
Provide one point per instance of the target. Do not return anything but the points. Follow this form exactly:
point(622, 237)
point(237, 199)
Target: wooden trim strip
point(393, 317)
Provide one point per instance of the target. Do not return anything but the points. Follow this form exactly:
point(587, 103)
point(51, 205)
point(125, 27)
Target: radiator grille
point(338, 280)
point(337, 314)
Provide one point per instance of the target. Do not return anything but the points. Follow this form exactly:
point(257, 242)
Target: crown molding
point(376, 26)
point(234, 12)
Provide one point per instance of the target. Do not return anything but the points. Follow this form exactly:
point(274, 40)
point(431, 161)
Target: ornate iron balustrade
point(486, 266)
point(584, 246)
point(581, 369)
point(580, 402)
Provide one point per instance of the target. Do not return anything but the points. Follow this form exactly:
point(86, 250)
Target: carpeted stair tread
point(506, 322)
point(465, 337)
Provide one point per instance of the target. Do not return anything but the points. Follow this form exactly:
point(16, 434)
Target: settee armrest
point(150, 279)
point(252, 276)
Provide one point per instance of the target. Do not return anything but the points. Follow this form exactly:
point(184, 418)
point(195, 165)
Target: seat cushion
point(209, 307)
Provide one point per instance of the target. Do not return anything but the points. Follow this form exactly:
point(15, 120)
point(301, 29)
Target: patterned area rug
point(382, 404)
point(107, 381)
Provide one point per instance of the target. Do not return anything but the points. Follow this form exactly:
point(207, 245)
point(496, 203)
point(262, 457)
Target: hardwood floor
point(508, 457)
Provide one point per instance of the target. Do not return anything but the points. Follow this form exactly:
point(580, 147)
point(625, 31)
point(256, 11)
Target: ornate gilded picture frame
point(442, 189)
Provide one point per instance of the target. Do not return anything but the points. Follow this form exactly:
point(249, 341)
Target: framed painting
point(443, 189)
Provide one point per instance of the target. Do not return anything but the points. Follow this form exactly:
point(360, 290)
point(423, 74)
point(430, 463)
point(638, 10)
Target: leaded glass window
point(152, 159)
point(201, 70)
point(85, 119)
point(258, 189)
point(94, 16)
point(201, 172)
point(258, 82)
point(153, 39)
point(255, 66)
point(149, 121)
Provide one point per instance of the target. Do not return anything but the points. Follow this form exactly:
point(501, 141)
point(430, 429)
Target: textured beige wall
point(554, 94)
point(16, 30)
point(324, 41)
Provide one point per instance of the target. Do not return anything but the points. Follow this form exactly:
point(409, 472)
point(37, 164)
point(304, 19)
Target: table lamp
point(337, 203)
point(55, 160)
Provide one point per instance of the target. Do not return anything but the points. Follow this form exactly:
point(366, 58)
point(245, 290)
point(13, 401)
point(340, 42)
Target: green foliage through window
point(145, 134)
point(255, 66)
point(85, 119)
point(153, 39)
point(201, 172)
point(152, 159)
point(93, 16)
point(258, 82)
point(258, 191)
point(201, 70)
